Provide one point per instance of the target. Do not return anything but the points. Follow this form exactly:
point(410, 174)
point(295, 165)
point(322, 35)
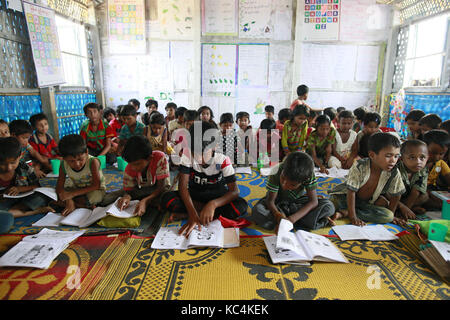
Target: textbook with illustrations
point(213, 235)
point(39, 250)
point(83, 217)
point(301, 247)
point(371, 232)
point(49, 192)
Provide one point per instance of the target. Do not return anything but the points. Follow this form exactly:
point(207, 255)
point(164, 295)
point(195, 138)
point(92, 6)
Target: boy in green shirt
point(291, 194)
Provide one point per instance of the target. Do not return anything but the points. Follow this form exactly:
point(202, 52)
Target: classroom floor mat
point(377, 271)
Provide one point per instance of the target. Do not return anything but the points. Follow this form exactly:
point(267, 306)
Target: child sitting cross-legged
point(17, 177)
point(207, 185)
point(86, 185)
point(320, 142)
point(291, 194)
point(414, 173)
point(345, 138)
point(146, 177)
point(361, 197)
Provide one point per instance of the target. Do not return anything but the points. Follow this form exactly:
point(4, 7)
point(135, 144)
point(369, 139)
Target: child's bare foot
point(177, 216)
point(419, 210)
point(337, 215)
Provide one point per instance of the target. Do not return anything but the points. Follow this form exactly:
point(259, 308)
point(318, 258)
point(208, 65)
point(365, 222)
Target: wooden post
point(49, 109)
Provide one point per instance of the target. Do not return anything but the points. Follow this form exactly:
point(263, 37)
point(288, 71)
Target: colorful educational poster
point(44, 44)
point(255, 19)
point(253, 65)
point(126, 26)
point(321, 19)
point(176, 19)
point(219, 17)
point(219, 69)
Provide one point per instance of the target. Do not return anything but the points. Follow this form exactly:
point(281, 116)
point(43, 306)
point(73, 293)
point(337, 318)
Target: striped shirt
point(96, 139)
point(274, 185)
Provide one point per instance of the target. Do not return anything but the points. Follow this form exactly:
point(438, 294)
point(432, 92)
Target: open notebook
point(83, 218)
point(212, 235)
point(39, 250)
point(49, 192)
point(301, 247)
point(371, 232)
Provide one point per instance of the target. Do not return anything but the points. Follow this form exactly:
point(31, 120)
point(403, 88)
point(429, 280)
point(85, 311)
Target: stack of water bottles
point(69, 111)
point(19, 107)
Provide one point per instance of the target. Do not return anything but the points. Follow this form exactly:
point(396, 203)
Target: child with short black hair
point(438, 142)
point(87, 186)
point(320, 142)
point(4, 129)
point(17, 177)
point(345, 137)
point(245, 133)
point(372, 121)
point(295, 130)
point(412, 120)
point(230, 139)
point(189, 117)
point(270, 143)
point(291, 194)
point(359, 113)
point(130, 128)
point(206, 114)
point(178, 122)
point(429, 122)
point(283, 115)
point(97, 132)
point(156, 133)
point(170, 108)
point(361, 196)
point(145, 178)
point(332, 114)
point(413, 170)
point(137, 105)
point(302, 95)
point(42, 141)
point(269, 111)
point(22, 130)
point(207, 187)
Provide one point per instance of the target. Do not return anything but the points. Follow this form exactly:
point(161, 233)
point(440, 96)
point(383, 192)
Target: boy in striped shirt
point(97, 132)
point(291, 194)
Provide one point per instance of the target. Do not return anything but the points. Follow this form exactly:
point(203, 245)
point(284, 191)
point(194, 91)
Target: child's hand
point(207, 214)
point(124, 202)
point(13, 191)
point(323, 169)
point(190, 225)
point(140, 208)
point(39, 173)
point(399, 222)
point(355, 221)
point(407, 213)
point(69, 208)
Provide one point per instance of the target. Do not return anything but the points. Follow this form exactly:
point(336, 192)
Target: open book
point(301, 247)
point(49, 192)
point(39, 250)
point(212, 235)
point(332, 173)
point(372, 233)
point(83, 218)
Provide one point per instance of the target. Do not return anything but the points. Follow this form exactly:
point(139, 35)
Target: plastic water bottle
point(260, 161)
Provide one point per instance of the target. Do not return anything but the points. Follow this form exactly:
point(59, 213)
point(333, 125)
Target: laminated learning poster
point(44, 44)
point(126, 26)
point(321, 19)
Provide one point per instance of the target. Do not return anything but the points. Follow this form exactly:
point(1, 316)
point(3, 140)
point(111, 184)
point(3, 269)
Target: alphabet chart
point(321, 19)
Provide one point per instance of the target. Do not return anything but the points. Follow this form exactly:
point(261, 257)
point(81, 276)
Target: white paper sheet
point(243, 170)
point(126, 213)
point(332, 173)
point(49, 220)
point(367, 63)
point(369, 232)
point(321, 248)
point(176, 19)
point(219, 17)
point(253, 65)
point(50, 192)
point(255, 19)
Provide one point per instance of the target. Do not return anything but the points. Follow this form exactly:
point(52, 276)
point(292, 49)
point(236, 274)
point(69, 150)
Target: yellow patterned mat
point(377, 270)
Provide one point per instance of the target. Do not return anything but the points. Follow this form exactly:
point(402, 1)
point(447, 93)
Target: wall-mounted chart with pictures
point(44, 44)
point(321, 19)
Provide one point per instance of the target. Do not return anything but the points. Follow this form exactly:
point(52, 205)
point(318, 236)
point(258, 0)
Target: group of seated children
point(388, 181)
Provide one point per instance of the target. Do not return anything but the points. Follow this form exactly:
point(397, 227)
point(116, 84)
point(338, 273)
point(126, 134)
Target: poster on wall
point(44, 44)
point(126, 26)
point(219, 69)
point(255, 19)
point(176, 19)
point(219, 17)
point(321, 19)
point(253, 65)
